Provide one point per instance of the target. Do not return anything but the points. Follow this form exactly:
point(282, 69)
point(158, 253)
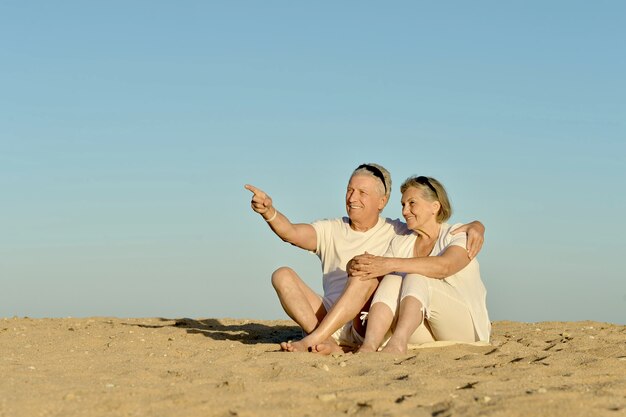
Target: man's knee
point(282, 276)
point(369, 285)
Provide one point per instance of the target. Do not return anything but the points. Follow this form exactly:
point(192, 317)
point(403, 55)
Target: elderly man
point(331, 322)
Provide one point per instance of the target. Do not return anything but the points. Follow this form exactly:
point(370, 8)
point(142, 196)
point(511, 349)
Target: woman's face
point(416, 210)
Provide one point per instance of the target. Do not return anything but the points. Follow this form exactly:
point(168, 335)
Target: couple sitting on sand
point(386, 283)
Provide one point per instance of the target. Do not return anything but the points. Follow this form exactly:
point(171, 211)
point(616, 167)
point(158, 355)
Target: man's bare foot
point(327, 348)
point(299, 346)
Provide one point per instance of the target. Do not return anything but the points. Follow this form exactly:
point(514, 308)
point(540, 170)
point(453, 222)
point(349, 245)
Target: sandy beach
point(222, 367)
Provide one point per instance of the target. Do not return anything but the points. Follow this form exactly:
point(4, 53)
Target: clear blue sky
point(128, 129)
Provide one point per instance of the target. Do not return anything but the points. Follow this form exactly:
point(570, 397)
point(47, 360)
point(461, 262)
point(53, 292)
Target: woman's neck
point(429, 231)
point(426, 239)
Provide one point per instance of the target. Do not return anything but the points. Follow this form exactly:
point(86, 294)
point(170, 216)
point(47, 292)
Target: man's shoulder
point(398, 226)
point(339, 222)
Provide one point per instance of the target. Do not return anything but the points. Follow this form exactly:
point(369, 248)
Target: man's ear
point(383, 203)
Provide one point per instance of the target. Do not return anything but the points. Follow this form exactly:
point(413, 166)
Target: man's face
point(363, 199)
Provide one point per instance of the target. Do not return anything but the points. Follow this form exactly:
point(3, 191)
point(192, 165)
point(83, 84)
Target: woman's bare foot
point(395, 347)
point(366, 349)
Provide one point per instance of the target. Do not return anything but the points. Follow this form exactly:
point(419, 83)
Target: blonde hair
point(432, 190)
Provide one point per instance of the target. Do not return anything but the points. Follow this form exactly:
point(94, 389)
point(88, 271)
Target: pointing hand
point(261, 202)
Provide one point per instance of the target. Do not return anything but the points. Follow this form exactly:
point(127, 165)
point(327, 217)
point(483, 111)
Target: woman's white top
point(467, 281)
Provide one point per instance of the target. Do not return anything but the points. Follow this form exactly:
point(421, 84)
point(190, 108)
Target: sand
point(222, 367)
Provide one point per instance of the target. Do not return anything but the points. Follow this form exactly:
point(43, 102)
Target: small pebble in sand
point(327, 397)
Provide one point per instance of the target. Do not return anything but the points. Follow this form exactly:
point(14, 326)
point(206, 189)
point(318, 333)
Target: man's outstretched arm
point(301, 235)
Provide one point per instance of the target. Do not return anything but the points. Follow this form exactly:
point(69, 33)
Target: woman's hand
point(475, 237)
point(368, 266)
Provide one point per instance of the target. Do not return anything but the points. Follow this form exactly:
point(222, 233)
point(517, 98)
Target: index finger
point(359, 258)
point(474, 246)
point(253, 189)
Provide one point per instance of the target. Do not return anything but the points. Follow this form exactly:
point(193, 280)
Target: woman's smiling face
point(416, 210)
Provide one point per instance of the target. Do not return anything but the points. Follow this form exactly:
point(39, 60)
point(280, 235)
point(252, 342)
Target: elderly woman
point(431, 289)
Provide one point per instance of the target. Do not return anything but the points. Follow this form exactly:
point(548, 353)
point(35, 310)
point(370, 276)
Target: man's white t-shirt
point(337, 243)
point(467, 281)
